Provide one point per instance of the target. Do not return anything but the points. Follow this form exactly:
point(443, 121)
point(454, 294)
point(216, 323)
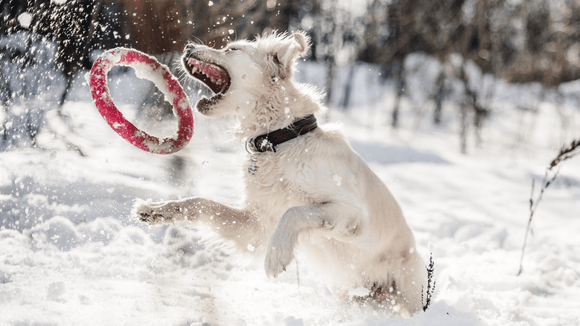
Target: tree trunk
point(69, 78)
point(440, 93)
point(400, 91)
point(463, 128)
point(471, 99)
point(329, 84)
point(5, 95)
point(348, 88)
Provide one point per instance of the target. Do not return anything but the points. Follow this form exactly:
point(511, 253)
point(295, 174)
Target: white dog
point(306, 189)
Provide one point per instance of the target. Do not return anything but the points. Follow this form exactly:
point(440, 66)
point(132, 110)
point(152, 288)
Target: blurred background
point(449, 64)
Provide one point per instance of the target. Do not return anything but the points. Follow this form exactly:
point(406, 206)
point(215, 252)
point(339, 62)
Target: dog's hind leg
point(341, 221)
point(230, 223)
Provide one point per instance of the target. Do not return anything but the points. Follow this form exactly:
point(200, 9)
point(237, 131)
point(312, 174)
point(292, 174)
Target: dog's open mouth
point(214, 76)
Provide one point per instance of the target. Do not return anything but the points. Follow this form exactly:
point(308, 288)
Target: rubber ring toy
point(148, 68)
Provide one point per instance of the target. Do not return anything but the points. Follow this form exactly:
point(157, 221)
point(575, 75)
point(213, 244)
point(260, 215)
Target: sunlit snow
point(70, 254)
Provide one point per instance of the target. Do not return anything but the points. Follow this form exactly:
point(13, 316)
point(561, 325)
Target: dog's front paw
point(280, 252)
point(154, 213)
point(143, 211)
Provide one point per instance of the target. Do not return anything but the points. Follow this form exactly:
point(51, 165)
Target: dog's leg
point(340, 220)
point(227, 221)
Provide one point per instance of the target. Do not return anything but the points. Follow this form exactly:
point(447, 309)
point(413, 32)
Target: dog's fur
point(314, 194)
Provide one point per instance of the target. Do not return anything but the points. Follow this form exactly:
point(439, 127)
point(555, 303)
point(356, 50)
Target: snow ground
point(69, 254)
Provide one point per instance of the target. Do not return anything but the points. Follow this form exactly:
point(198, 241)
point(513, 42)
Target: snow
point(24, 19)
point(70, 255)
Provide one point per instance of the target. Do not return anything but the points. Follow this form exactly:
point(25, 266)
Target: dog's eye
point(232, 49)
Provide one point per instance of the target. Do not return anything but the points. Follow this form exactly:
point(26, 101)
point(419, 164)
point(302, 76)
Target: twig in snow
point(297, 272)
point(430, 288)
point(564, 154)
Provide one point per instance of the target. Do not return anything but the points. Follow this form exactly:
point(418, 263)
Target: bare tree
point(486, 33)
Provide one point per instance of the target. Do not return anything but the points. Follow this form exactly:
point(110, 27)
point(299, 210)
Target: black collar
point(267, 142)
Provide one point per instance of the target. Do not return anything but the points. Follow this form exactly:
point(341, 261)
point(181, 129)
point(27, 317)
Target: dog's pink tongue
point(212, 71)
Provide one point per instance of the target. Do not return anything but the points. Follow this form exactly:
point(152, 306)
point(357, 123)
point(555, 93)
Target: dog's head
point(242, 72)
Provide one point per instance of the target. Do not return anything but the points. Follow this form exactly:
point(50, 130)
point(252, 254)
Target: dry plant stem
point(297, 272)
point(430, 288)
point(564, 154)
point(533, 205)
point(69, 144)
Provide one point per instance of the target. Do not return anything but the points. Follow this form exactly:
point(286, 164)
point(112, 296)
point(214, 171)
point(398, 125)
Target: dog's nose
point(189, 48)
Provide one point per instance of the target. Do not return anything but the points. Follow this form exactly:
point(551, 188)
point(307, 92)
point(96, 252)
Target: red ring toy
point(148, 68)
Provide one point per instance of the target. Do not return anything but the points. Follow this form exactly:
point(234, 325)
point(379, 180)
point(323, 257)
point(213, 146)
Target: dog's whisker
point(196, 40)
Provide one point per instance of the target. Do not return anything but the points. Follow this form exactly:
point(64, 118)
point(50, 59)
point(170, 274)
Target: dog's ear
point(287, 52)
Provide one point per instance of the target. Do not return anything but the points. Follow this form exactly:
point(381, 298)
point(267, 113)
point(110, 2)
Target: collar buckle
point(251, 147)
point(259, 145)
